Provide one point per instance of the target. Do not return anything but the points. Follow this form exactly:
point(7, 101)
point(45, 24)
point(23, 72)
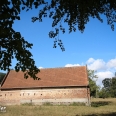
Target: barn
point(64, 85)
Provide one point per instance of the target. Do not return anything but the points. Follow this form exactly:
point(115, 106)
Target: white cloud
point(98, 64)
point(111, 63)
point(40, 67)
point(71, 65)
point(90, 60)
point(103, 75)
point(106, 74)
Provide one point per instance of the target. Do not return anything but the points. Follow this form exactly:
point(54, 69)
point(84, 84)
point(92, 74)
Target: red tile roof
point(50, 77)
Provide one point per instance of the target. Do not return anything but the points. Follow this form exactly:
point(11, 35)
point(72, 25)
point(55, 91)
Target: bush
point(27, 104)
point(77, 104)
point(100, 103)
point(47, 104)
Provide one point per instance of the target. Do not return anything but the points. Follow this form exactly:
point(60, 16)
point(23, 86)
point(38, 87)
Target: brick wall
point(40, 96)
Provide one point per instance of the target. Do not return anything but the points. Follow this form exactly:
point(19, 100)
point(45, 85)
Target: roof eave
point(42, 87)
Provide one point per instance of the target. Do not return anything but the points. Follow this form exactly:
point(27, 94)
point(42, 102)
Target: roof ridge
point(63, 67)
point(55, 68)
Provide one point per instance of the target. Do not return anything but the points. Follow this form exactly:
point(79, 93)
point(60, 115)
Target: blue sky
point(96, 47)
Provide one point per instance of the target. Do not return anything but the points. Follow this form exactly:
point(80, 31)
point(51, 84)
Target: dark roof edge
point(4, 78)
point(45, 87)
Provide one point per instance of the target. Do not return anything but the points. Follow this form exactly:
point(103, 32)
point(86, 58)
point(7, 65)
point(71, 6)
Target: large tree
point(76, 13)
point(109, 86)
point(12, 44)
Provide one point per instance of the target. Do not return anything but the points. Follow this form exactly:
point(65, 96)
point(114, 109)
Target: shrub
point(77, 104)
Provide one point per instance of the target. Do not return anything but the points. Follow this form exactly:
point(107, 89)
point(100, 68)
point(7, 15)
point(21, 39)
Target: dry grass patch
point(103, 107)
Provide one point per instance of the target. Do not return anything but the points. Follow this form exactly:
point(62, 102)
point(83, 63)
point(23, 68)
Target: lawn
point(100, 107)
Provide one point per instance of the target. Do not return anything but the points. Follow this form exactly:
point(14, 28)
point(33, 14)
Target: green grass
point(99, 107)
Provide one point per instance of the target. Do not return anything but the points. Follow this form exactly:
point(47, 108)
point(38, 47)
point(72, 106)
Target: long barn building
point(56, 86)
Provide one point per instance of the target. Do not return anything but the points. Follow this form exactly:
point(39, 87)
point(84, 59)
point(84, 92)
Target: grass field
point(99, 107)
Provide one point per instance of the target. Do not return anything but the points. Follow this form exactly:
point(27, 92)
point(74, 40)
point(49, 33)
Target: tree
point(113, 87)
point(109, 86)
point(92, 83)
point(12, 44)
point(107, 83)
point(76, 13)
point(102, 93)
point(106, 90)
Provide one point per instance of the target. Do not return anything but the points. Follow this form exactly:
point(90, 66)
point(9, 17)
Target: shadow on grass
point(100, 103)
point(108, 114)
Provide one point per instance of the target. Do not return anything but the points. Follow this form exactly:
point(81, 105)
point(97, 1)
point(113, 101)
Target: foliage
point(76, 13)
point(48, 104)
point(113, 87)
point(77, 104)
point(107, 83)
point(27, 104)
point(109, 89)
point(102, 93)
point(1, 76)
point(12, 44)
point(99, 103)
point(92, 83)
